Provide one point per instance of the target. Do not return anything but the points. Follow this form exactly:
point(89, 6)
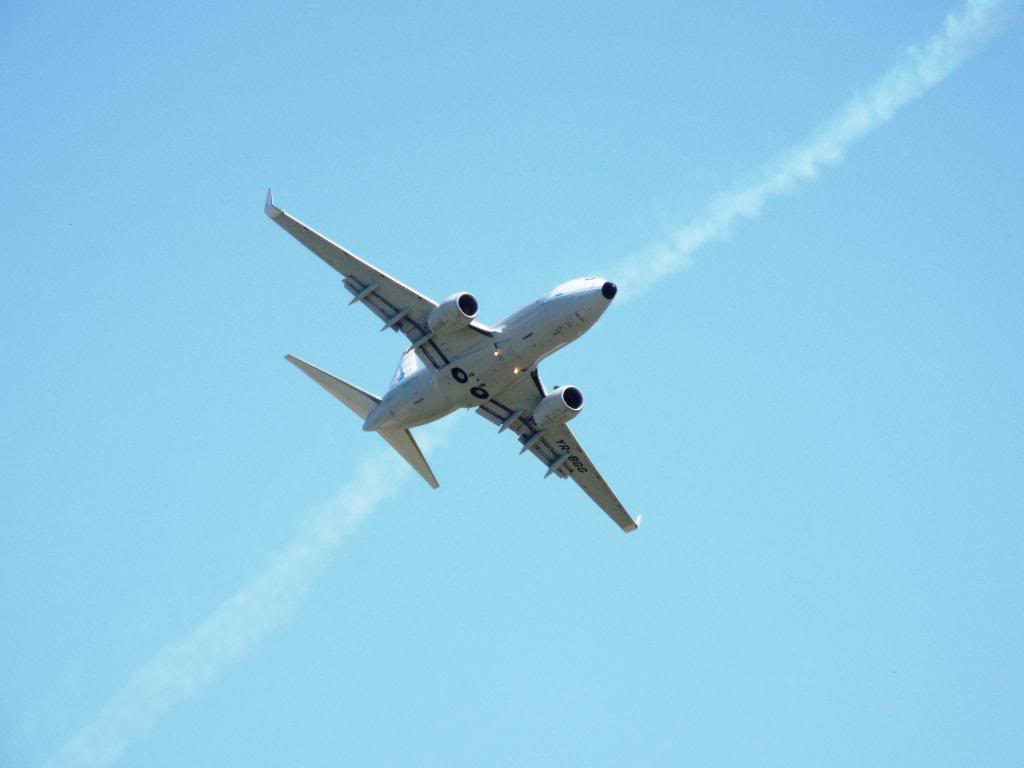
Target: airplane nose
point(608, 290)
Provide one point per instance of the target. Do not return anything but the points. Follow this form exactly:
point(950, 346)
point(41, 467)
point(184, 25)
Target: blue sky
point(820, 419)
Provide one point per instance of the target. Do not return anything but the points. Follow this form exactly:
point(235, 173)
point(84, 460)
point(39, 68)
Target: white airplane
point(454, 361)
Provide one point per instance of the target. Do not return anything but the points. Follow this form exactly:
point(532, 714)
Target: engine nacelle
point(457, 311)
point(558, 407)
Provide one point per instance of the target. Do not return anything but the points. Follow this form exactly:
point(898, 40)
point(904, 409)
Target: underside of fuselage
point(420, 395)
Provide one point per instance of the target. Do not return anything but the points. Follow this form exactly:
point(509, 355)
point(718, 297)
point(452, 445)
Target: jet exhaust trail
point(185, 667)
point(921, 68)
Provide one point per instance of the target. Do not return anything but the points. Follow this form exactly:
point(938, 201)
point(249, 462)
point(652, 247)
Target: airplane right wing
point(556, 446)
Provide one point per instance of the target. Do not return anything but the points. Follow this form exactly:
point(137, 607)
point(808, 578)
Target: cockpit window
point(407, 365)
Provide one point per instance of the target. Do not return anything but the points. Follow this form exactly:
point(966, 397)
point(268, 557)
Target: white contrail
point(183, 668)
point(920, 69)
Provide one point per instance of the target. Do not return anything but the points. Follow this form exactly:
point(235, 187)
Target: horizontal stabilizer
point(361, 403)
point(403, 442)
point(358, 401)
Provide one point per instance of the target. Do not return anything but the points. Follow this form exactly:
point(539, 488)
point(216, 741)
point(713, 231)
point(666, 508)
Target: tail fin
point(361, 403)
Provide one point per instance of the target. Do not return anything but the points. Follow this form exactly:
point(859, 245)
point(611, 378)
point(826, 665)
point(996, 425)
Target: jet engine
point(558, 407)
point(457, 311)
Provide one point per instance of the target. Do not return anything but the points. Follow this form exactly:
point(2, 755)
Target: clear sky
point(820, 419)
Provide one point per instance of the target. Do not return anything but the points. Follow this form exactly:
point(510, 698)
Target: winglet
point(269, 208)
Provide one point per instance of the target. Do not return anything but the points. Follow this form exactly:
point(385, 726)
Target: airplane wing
point(557, 447)
point(399, 306)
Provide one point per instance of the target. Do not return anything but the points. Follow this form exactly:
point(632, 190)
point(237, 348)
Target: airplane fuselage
point(456, 361)
point(519, 343)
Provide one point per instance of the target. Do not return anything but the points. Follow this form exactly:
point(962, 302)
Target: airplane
point(455, 361)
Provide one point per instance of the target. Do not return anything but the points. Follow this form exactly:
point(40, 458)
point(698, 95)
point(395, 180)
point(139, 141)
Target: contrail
point(183, 668)
point(921, 68)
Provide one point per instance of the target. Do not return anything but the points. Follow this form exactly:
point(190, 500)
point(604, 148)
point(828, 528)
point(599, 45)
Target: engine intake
point(558, 407)
point(457, 311)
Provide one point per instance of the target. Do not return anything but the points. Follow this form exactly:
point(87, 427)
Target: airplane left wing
point(399, 306)
point(583, 471)
point(556, 446)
